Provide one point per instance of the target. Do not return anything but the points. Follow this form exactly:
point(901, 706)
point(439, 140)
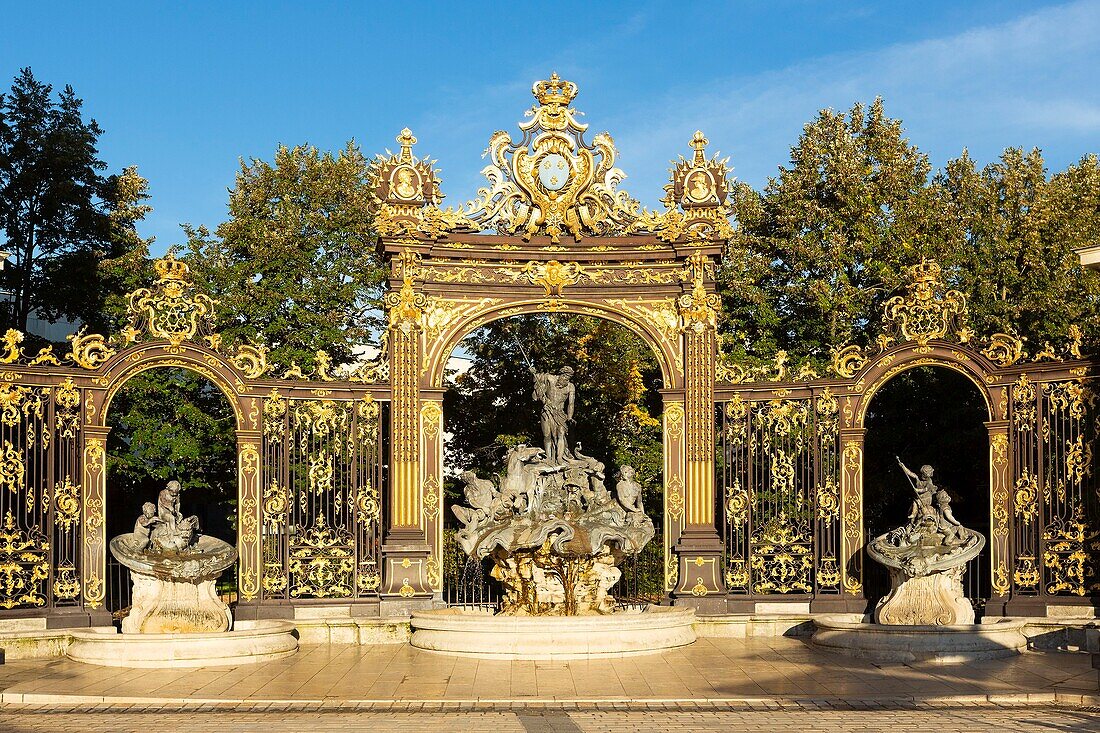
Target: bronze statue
point(557, 395)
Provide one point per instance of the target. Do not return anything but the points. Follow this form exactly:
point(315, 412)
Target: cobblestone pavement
point(894, 720)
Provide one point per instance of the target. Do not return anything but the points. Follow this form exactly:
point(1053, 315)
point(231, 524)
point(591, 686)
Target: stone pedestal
point(929, 600)
point(168, 606)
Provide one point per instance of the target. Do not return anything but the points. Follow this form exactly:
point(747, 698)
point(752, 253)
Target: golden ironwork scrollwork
point(782, 557)
point(322, 562)
point(927, 311)
point(1066, 557)
point(170, 309)
point(24, 566)
point(66, 499)
point(89, 351)
point(698, 308)
point(1004, 349)
point(552, 182)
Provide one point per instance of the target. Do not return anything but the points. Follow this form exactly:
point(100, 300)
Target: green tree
point(295, 267)
point(60, 217)
point(1017, 231)
point(825, 243)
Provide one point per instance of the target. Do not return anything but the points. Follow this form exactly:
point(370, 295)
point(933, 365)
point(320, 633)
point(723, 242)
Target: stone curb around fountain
point(854, 635)
point(486, 636)
point(248, 643)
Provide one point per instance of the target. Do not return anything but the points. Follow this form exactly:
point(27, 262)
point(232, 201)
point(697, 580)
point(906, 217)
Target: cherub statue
point(953, 531)
point(143, 527)
point(924, 487)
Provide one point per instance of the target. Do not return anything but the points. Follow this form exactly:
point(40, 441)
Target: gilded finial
point(699, 142)
point(406, 140)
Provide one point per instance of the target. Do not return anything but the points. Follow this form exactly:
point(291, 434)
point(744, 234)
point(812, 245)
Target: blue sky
point(185, 89)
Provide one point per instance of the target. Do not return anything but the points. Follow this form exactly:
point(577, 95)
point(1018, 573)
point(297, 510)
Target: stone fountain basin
point(205, 560)
point(855, 636)
point(249, 642)
point(479, 633)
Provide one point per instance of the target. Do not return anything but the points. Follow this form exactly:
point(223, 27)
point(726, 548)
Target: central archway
point(488, 408)
point(169, 423)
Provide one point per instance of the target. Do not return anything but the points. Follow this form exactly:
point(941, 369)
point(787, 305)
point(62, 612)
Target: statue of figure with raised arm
point(925, 489)
point(557, 395)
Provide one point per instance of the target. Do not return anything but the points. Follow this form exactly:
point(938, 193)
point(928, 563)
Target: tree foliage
point(172, 424)
point(820, 249)
point(70, 230)
point(295, 266)
point(827, 239)
point(489, 406)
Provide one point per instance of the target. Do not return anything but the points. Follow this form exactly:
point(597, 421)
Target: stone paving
point(957, 720)
point(709, 670)
point(716, 684)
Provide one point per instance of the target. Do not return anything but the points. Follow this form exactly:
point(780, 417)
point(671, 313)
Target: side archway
point(979, 371)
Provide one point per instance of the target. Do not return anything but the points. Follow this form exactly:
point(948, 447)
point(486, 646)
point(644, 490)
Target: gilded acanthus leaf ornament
point(170, 309)
point(89, 351)
point(698, 308)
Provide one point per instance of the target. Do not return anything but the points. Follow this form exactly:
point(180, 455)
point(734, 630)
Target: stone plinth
point(250, 642)
point(853, 636)
point(928, 600)
point(481, 634)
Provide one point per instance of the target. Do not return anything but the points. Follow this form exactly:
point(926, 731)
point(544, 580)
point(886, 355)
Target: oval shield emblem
point(553, 172)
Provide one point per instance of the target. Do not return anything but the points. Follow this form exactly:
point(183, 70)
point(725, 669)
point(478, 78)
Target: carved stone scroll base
point(930, 600)
point(166, 606)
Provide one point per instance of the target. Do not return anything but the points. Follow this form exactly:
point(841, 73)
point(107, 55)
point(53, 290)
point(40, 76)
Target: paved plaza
point(759, 684)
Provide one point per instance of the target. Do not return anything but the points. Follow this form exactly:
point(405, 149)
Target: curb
point(47, 703)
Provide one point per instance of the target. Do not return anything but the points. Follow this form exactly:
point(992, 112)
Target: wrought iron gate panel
point(322, 498)
point(779, 489)
point(40, 495)
point(1054, 429)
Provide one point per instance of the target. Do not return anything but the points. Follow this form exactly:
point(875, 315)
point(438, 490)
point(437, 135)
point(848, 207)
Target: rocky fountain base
point(556, 537)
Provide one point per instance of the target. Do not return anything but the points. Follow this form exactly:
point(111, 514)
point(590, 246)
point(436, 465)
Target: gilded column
point(405, 551)
point(249, 540)
point(701, 580)
point(1000, 514)
point(431, 453)
point(674, 509)
point(93, 563)
point(851, 514)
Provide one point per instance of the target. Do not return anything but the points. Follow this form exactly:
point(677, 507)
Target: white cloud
point(1028, 82)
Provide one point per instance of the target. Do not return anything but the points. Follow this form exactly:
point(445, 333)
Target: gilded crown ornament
point(554, 91)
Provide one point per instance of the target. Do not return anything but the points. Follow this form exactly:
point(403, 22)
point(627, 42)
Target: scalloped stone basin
point(853, 635)
point(248, 642)
point(477, 633)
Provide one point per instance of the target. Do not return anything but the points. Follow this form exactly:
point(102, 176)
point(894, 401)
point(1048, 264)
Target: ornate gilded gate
point(325, 460)
point(792, 461)
point(309, 451)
